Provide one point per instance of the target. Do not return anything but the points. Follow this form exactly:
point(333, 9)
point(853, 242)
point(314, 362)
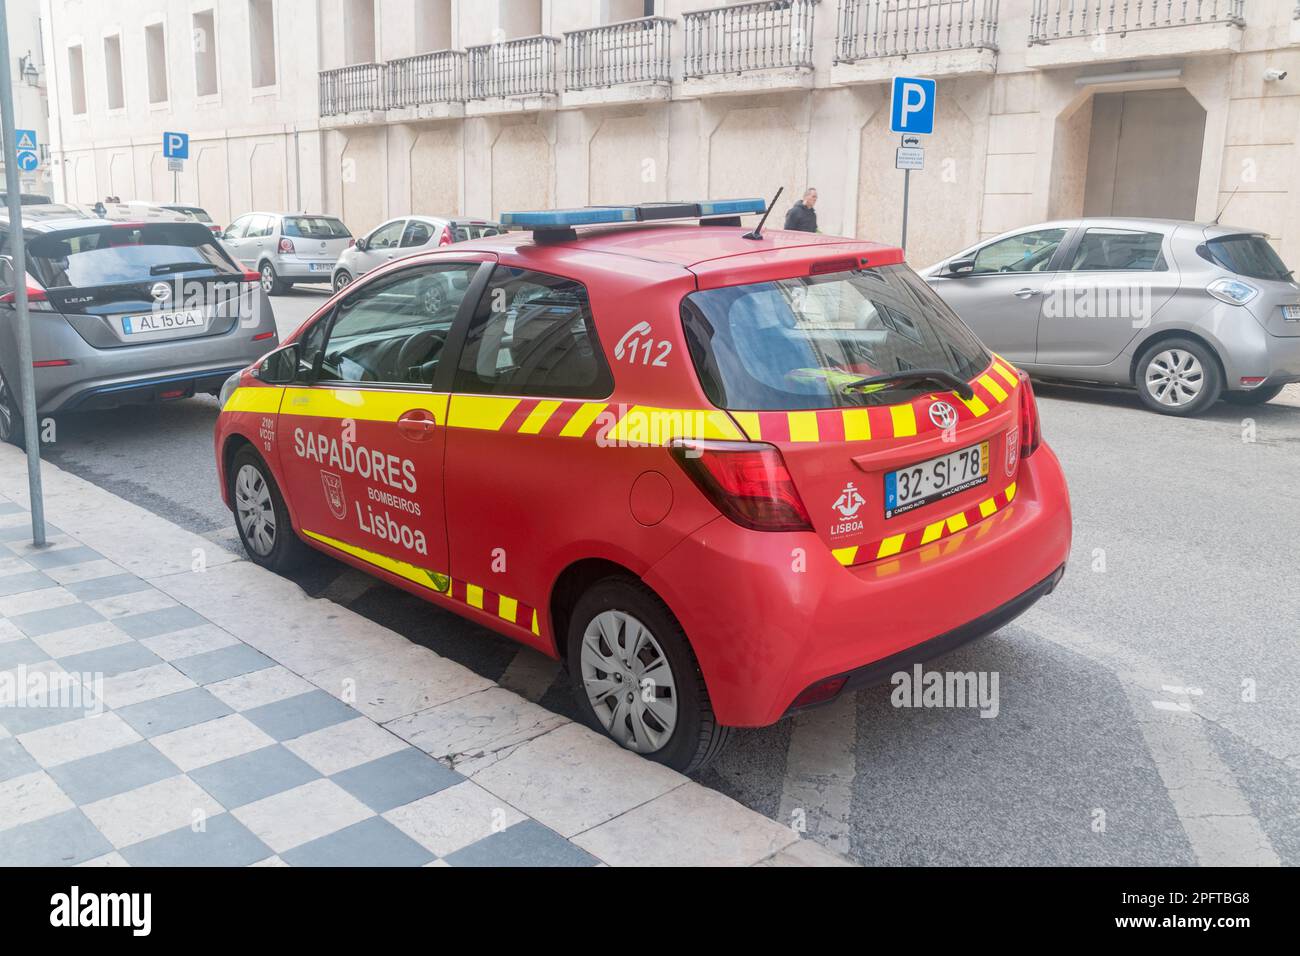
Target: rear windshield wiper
point(172, 267)
point(916, 376)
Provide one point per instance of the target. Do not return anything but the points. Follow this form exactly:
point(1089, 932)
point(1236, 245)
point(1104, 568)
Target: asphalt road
point(1147, 712)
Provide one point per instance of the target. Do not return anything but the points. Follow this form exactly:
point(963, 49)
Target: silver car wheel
point(255, 510)
point(1175, 377)
point(342, 281)
point(268, 279)
point(629, 681)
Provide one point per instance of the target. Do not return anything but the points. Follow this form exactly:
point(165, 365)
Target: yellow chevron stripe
point(474, 596)
point(976, 405)
point(363, 405)
point(933, 532)
point(582, 419)
point(483, 412)
point(956, 523)
point(987, 507)
point(904, 420)
point(1011, 492)
point(891, 545)
point(262, 401)
point(507, 608)
point(748, 422)
point(845, 556)
point(803, 426)
point(421, 576)
point(646, 425)
point(538, 417)
point(996, 390)
point(857, 424)
point(1006, 370)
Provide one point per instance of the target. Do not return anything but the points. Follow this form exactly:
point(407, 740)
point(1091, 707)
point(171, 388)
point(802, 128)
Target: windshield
point(803, 343)
point(104, 255)
point(1250, 256)
point(315, 227)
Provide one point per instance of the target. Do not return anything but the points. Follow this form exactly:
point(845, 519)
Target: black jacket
point(800, 218)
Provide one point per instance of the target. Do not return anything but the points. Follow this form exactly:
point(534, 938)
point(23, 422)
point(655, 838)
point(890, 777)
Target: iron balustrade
point(635, 51)
point(871, 28)
point(1053, 19)
point(427, 78)
point(351, 89)
point(525, 67)
point(749, 36)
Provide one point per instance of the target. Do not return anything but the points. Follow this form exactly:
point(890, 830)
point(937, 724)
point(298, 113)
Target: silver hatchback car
point(405, 236)
point(284, 247)
point(125, 311)
point(1184, 312)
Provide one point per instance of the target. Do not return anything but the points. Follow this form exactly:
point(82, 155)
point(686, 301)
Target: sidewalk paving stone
point(397, 779)
point(223, 841)
point(162, 715)
point(256, 775)
point(231, 661)
point(372, 842)
point(525, 844)
point(295, 716)
point(107, 774)
point(64, 839)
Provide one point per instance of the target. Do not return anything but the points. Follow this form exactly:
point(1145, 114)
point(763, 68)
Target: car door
point(382, 245)
point(256, 239)
point(1112, 283)
point(1001, 296)
point(233, 238)
point(362, 437)
point(419, 233)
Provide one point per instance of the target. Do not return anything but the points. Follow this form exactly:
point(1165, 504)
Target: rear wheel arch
point(1141, 348)
point(570, 585)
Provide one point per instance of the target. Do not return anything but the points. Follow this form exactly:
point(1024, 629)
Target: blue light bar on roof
point(555, 220)
point(568, 218)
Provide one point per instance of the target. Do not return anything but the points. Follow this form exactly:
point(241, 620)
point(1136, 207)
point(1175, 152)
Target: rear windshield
point(1250, 256)
point(104, 255)
point(802, 343)
point(462, 231)
point(197, 213)
point(315, 227)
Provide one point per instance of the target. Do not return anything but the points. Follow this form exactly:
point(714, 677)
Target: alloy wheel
point(342, 281)
point(629, 681)
point(268, 279)
point(1175, 377)
point(255, 510)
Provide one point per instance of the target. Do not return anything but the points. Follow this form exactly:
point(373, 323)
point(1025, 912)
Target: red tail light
point(748, 482)
point(446, 238)
point(37, 300)
point(1031, 432)
point(286, 246)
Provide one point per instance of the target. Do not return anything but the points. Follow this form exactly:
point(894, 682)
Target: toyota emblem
point(161, 291)
point(943, 415)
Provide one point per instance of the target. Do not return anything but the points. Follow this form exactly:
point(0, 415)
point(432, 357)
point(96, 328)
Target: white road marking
point(1216, 816)
point(821, 763)
point(530, 674)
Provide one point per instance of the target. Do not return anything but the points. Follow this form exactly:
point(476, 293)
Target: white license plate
point(320, 267)
point(1291, 313)
point(154, 322)
point(918, 485)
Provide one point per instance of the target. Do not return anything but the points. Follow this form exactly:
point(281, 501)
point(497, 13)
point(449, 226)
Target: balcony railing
point(749, 36)
point(637, 51)
point(524, 67)
point(871, 28)
point(1052, 19)
point(427, 78)
point(350, 89)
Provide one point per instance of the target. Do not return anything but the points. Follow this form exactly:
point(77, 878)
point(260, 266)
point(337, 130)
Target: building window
point(521, 18)
point(433, 25)
point(359, 31)
point(113, 72)
point(155, 51)
point(620, 10)
point(261, 34)
point(204, 35)
point(77, 80)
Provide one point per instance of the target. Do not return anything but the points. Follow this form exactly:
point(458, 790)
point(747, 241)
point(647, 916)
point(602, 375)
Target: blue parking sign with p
point(176, 145)
point(911, 105)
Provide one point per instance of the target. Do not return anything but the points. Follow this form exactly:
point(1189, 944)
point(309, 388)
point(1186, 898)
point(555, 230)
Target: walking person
point(802, 216)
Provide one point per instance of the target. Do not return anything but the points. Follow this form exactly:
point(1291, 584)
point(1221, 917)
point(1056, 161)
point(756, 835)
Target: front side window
point(258, 227)
point(387, 236)
point(393, 331)
point(806, 342)
point(238, 228)
point(1027, 252)
point(1118, 250)
point(533, 334)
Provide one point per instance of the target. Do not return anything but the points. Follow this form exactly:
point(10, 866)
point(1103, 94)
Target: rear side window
point(314, 227)
point(533, 335)
point(464, 231)
point(1119, 250)
point(1249, 256)
point(103, 255)
point(803, 343)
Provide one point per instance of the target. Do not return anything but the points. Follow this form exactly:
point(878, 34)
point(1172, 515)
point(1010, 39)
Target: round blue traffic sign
point(28, 161)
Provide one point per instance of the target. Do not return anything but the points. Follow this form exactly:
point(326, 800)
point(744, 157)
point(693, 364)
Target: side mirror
point(961, 267)
point(363, 244)
point(281, 366)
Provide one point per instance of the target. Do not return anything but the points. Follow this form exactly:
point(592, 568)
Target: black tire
point(1210, 378)
point(11, 416)
point(272, 284)
point(287, 550)
point(1256, 396)
point(697, 738)
point(342, 279)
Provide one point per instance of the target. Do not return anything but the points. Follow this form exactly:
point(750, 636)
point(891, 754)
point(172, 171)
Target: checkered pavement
point(189, 747)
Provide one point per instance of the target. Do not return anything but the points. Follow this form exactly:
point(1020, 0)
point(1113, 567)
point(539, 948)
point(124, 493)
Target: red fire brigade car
point(722, 474)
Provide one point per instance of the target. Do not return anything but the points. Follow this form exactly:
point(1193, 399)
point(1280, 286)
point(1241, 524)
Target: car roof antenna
point(758, 230)
point(1225, 207)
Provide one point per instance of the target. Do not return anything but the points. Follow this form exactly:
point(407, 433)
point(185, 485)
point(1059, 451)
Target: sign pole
point(18, 252)
point(907, 188)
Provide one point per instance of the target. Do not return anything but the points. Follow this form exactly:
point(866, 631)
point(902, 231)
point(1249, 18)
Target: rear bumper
point(149, 390)
point(769, 615)
point(299, 269)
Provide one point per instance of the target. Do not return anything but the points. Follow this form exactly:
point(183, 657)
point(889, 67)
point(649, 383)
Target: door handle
point(1026, 293)
point(417, 425)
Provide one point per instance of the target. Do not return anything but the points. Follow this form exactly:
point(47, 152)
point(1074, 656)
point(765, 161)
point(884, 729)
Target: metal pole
point(18, 253)
point(907, 186)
